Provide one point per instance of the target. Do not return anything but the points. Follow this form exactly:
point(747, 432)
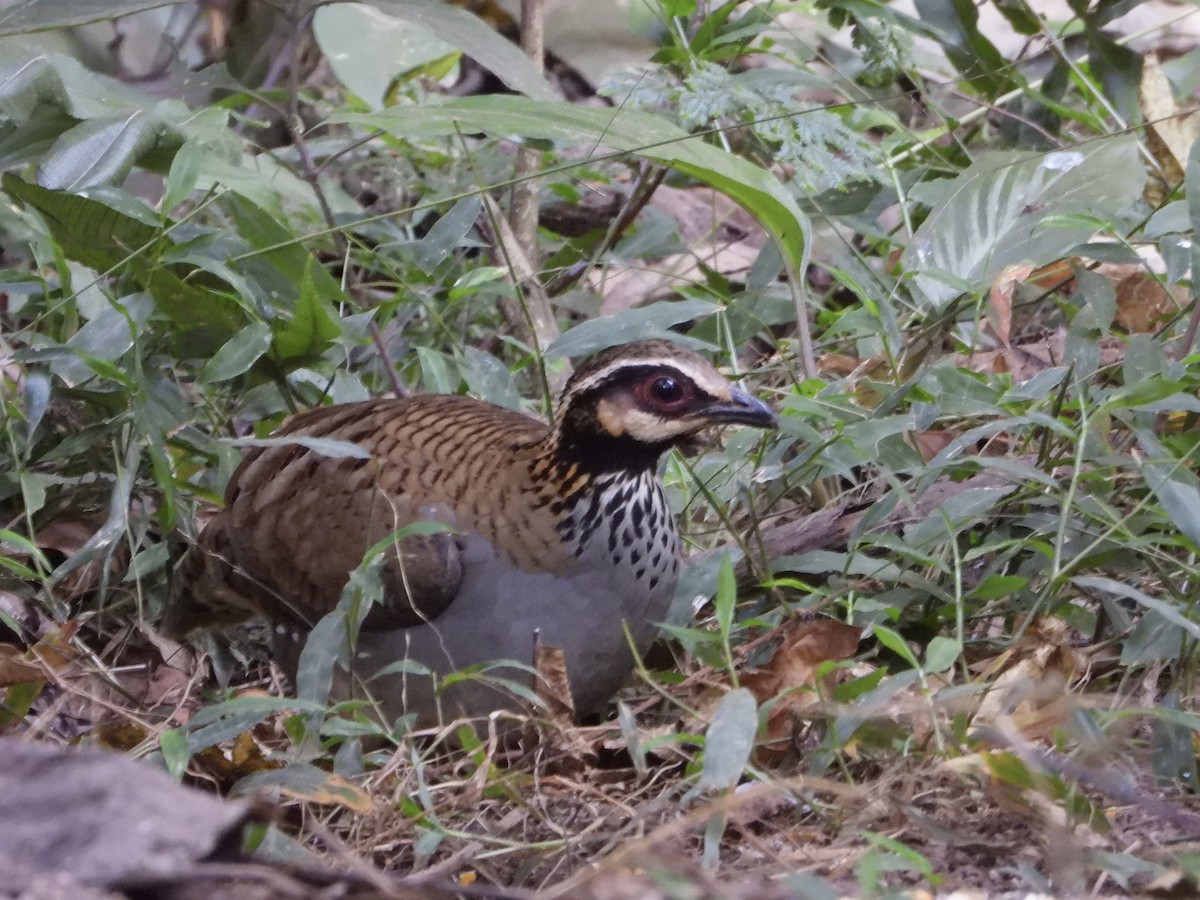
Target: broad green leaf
point(314, 673)
point(222, 721)
point(489, 379)
point(896, 644)
point(334, 449)
point(726, 600)
point(626, 130)
point(105, 337)
point(447, 233)
point(652, 321)
point(1118, 69)
point(1153, 639)
point(25, 16)
point(995, 214)
point(183, 174)
point(101, 150)
point(306, 293)
point(103, 239)
point(238, 354)
point(957, 24)
point(1175, 486)
point(368, 50)
point(1191, 181)
point(173, 744)
point(306, 781)
point(729, 740)
point(31, 81)
point(456, 26)
point(941, 654)
point(311, 327)
point(1162, 607)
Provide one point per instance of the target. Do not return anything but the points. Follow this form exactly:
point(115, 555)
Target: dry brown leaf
point(806, 646)
point(67, 537)
point(999, 309)
point(1144, 302)
point(1027, 358)
point(628, 287)
point(15, 668)
point(54, 650)
point(718, 233)
point(1170, 131)
point(837, 365)
point(553, 682)
point(930, 443)
point(334, 790)
point(1030, 679)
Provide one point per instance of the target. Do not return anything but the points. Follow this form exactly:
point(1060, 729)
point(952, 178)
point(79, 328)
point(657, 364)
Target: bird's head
point(627, 405)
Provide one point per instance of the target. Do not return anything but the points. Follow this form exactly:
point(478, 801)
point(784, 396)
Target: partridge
point(557, 535)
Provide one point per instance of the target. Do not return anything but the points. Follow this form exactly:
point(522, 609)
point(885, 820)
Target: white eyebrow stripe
point(702, 380)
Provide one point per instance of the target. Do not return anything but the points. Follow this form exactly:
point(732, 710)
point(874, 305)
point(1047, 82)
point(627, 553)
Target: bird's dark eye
point(664, 393)
point(666, 390)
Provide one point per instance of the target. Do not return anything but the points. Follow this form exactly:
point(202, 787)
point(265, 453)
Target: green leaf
point(312, 325)
point(1164, 609)
point(222, 721)
point(729, 740)
point(334, 449)
point(896, 644)
point(238, 354)
point(489, 379)
point(473, 36)
point(25, 16)
point(368, 51)
point(95, 234)
point(173, 743)
point(630, 131)
point(726, 600)
point(1117, 68)
point(996, 586)
point(447, 233)
point(1176, 488)
point(994, 214)
point(182, 177)
point(307, 294)
point(314, 673)
point(653, 320)
point(957, 24)
point(101, 150)
point(941, 654)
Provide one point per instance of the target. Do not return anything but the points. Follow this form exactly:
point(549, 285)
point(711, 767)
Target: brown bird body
point(561, 535)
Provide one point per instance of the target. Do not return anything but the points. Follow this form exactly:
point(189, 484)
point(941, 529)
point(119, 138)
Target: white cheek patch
point(610, 416)
point(639, 424)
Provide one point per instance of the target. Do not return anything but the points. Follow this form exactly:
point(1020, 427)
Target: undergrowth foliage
point(967, 559)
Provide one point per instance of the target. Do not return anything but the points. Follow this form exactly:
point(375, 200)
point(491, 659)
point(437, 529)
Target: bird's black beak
point(739, 409)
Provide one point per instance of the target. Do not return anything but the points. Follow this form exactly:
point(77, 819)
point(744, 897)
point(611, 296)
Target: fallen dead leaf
point(1000, 299)
point(554, 683)
point(1170, 131)
point(719, 236)
point(67, 537)
point(791, 677)
point(1029, 357)
point(1029, 680)
point(16, 668)
point(1144, 302)
point(930, 443)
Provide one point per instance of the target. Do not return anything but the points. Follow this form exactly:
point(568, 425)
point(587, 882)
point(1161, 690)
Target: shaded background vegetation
point(953, 245)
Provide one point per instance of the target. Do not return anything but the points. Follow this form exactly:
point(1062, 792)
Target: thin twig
point(523, 217)
point(648, 182)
